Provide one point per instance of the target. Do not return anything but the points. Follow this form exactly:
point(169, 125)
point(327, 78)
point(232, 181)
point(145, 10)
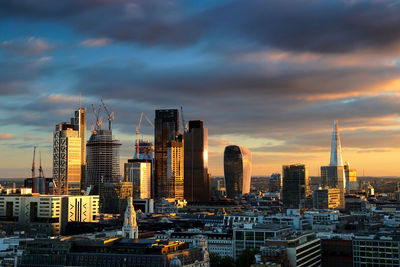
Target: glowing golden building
point(175, 170)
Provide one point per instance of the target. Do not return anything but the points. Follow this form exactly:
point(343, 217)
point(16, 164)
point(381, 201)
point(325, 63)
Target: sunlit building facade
point(295, 185)
point(175, 170)
point(197, 182)
point(351, 178)
point(326, 198)
point(166, 129)
point(138, 171)
point(237, 170)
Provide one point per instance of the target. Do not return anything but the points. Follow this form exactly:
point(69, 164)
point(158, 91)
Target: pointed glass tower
point(336, 148)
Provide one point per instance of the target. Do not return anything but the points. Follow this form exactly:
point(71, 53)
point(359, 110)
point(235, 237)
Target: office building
point(295, 187)
point(69, 154)
point(102, 162)
point(254, 236)
point(138, 172)
point(47, 214)
point(374, 250)
point(116, 195)
point(275, 182)
point(237, 170)
point(197, 182)
point(175, 183)
point(166, 129)
point(326, 198)
point(351, 178)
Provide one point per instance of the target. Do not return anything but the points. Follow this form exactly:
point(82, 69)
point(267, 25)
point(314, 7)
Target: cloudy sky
point(268, 75)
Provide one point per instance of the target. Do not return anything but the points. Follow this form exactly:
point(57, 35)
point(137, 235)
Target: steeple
point(130, 228)
point(336, 148)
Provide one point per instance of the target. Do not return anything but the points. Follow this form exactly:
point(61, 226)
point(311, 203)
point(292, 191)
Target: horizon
point(269, 76)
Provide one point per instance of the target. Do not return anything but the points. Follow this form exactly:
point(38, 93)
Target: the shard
point(336, 148)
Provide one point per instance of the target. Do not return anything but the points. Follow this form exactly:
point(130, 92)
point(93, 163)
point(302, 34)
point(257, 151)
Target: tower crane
point(110, 114)
point(33, 163)
point(137, 135)
point(99, 119)
point(41, 172)
point(138, 131)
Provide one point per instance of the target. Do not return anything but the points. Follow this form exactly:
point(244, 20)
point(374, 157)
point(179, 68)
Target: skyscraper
point(166, 129)
point(138, 171)
point(102, 162)
point(333, 176)
point(197, 183)
point(351, 178)
point(175, 184)
point(237, 170)
point(295, 187)
point(69, 154)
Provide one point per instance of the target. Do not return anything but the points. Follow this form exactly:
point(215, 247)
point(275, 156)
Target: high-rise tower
point(333, 176)
point(197, 182)
point(69, 154)
point(166, 129)
point(237, 170)
point(295, 185)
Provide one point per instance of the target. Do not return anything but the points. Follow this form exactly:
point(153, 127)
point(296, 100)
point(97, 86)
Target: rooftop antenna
point(80, 100)
point(33, 163)
point(41, 172)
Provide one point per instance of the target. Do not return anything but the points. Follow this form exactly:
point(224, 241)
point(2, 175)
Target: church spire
point(130, 228)
point(336, 148)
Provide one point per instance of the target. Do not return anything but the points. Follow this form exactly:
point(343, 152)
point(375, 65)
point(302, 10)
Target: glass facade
point(138, 171)
point(295, 185)
point(197, 182)
point(237, 170)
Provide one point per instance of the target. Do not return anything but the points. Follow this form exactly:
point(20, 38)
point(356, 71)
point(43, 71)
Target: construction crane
point(110, 114)
point(99, 119)
point(41, 172)
point(184, 125)
point(33, 163)
point(138, 131)
point(137, 135)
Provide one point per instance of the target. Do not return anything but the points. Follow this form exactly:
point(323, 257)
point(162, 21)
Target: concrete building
point(166, 129)
point(138, 171)
point(237, 170)
point(374, 250)
point(175, 170)
point(295, 186)
point(197, 180)
point(47, 214)
point(326, 198)
point(303, 250)
point(103, 162)
point(254, 236)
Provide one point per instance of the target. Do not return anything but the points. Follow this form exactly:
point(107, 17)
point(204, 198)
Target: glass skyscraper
point(197, 182)
point(166, 129)
point(295, 185)
point(237, 170)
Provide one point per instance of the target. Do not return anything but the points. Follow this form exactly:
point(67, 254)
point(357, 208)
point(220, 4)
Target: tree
point(218, 261)
point(246, 258)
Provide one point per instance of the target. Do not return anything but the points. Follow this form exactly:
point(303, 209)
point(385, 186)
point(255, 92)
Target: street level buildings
point(237, 170)
point(197, 181)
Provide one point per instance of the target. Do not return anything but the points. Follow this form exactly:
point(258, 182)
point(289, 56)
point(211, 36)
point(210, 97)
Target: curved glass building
point(237, 170)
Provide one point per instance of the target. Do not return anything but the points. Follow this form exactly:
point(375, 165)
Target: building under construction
point(102, 162)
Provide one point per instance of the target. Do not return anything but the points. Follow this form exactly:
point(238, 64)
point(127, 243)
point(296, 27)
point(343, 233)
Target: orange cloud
point(6, 136)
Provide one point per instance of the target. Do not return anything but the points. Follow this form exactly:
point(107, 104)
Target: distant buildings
point(197, 181)
point(351, 178)
point(69, 154)
point(166, 129)
point(295, 185)
point(47, 214)
point(102, 162)
point(275, 182)
point(138, 171)
point(333, 176)
point(237, 170)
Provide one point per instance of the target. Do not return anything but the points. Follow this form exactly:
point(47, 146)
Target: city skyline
point(250, 81)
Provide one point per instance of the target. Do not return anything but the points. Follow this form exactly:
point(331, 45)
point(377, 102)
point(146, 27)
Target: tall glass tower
point(237, 170)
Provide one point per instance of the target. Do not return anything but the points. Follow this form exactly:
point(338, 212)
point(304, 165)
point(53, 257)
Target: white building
point(130, 228)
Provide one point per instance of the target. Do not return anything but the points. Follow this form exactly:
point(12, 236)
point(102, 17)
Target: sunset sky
point(268, 75)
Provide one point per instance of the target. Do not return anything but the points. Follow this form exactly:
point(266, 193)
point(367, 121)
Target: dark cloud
point(318, 26)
